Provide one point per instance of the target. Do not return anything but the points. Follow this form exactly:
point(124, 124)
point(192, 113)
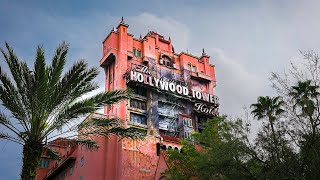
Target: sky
point(247, 40)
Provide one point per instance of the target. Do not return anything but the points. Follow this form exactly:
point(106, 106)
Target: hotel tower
point(173, 97)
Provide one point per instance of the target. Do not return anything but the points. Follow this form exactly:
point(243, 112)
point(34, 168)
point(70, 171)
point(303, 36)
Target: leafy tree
point(44, 100)
point(221, 156)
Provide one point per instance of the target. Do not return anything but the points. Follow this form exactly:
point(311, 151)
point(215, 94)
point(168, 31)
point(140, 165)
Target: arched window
point(176, 149)
point(167, 61)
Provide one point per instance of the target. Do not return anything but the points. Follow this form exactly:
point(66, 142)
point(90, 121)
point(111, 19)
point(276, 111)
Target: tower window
point(137, 53)
point(138, 104)
point(167, 61)
point(138, 118)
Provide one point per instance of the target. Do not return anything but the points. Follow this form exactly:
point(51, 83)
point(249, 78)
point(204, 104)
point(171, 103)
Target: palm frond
point(52, 153)
point(10, 138)
point(108, 127)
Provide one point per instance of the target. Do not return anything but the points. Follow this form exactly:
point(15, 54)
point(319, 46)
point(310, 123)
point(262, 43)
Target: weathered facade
point(173, 97)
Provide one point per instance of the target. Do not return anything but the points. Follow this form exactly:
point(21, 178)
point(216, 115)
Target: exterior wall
point(166, 116)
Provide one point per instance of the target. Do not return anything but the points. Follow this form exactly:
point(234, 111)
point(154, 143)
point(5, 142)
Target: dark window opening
point(158, 149)
point(138, 104)
point(167, 61)
point(138, 118)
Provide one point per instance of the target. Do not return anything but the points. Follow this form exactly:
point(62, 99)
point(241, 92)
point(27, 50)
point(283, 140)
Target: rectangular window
point(138, 118)
point(187, 122)
point(187, 135)
point(138, 104)
point(44, 163)
point(137, 53)
point(134, 52)
point(110, 74)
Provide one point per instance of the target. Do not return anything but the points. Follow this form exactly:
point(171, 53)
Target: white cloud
point(236, 86)
point(166, 26)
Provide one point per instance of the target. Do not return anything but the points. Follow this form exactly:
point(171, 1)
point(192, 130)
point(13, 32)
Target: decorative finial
point(122, 20)
point(112, 29)
point(203, 53)
point(140, 37)
point(169, 38)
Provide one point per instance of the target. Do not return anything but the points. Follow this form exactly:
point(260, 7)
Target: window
point(82, 161)
point(81, 178)
point(187, 135)
point(71, 170)
point(167, 61)
point(194, 69)
point(43, 163)
point(110, 75)
point(137, 53)
point(187, 122)
point(138, 118)
point(139, 91)
point(138, 104)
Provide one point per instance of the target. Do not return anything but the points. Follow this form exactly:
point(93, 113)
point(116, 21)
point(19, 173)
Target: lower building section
point(115, 159)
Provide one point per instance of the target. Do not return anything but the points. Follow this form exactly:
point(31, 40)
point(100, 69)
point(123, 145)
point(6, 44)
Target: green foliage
point(221, 156)
point(43, 100)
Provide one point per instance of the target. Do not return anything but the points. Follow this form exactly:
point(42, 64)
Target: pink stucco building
point(173, 97)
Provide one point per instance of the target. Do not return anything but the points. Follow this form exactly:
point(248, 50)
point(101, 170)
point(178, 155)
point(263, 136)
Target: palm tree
point(302, 94)
point(44, 100)
point(305, 96)
point(269, 108)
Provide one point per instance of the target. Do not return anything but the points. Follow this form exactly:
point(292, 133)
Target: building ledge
point(52, 174)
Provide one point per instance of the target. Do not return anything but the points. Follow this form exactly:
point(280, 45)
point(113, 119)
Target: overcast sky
point(245, 39)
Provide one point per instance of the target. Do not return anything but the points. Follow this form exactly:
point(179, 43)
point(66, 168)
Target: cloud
point(236, 85)
point(164, 25)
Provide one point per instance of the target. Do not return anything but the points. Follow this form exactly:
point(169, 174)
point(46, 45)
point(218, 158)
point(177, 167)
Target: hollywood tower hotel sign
point(173, 97)
point(141, 74)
